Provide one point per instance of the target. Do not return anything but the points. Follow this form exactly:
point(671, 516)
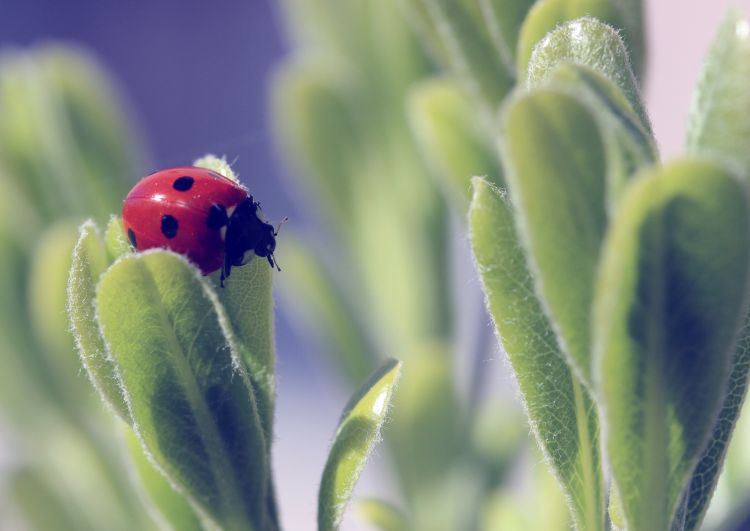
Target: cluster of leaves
point(66, 152)
point(617, 284)
point(187, 369)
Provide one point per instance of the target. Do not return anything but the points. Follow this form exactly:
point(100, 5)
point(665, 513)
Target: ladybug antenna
point(278, 227)
point(273, 262)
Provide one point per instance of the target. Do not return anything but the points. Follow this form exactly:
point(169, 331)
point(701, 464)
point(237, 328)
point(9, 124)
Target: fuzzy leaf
point(248, 302)
point(471, 52)
point(90, 260)
point(172, 509)
point(115, 240)
point(629, 145)
point(358, 431)
point(562, 415)
point(546, 15)
point(560, 197)
point(189, 394)
point(592, 43)
point(452, 142)
point(670, 297)
point(719, 122)
point(706, 473)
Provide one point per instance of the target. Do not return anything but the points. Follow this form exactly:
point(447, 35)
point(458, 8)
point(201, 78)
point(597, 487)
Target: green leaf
point(316, 127)
point(189, 394)
point(427, 429)
point(44, 504)
point(453, 143)
point(217, 164)
point(357, 433)
point(314, 297)
point(504, 19)
point(719, 123)
point(63, 137)
point(382, 515)
point(471, 51)
point(546, 15)
point(629, 145)
point(248, 302)
point(50, 266)
point(562, 415)
point(89, 261)
point(555, 168)
point(172, 509)
point(115, 240)
point(706, 473)
point(592, 43)
point(670, 298)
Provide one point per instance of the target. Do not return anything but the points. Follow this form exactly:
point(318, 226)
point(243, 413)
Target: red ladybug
point(201, 214)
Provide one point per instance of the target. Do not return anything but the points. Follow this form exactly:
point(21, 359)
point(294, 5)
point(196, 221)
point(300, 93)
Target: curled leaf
point(357, 433)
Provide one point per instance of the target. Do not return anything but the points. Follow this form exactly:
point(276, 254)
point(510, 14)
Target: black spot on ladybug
point(183, 184)
point(169, 226)
point(217, 217)
point(131, 237)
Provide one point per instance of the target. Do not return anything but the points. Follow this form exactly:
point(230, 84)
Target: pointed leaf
point(592, 43)
point(189, 394)
point(560, 197)
point(358, 431)
point(90, 260)
point(719, 122)
point(453, 143)
point(671, 295)
point(562, 415)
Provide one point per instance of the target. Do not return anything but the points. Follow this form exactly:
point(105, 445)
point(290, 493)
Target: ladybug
point(201, 214)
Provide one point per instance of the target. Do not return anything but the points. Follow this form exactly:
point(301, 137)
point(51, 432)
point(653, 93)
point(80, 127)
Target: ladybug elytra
point(201, 214)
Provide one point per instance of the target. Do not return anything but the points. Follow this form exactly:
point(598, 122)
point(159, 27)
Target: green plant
point(617, 284)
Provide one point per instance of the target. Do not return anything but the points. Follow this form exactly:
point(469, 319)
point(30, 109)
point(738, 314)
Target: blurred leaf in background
point(67, 151)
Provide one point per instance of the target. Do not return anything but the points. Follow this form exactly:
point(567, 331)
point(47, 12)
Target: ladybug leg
point(225, 270)
point(272, 260)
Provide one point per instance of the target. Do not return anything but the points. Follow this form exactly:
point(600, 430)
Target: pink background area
point(679, 35)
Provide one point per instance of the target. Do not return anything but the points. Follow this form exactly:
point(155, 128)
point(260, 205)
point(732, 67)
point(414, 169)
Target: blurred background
point(194, 78)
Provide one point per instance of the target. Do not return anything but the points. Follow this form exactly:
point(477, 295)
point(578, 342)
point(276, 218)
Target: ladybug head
point(247, 236)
